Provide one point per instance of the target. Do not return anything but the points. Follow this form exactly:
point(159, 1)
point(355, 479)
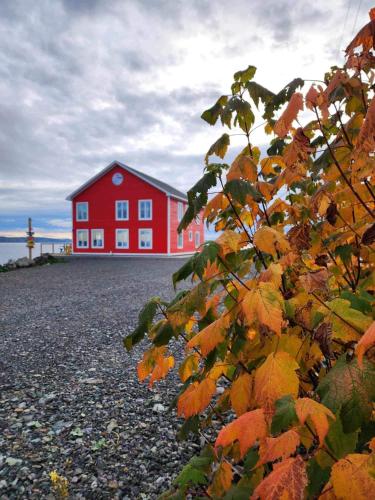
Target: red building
point(123, 211)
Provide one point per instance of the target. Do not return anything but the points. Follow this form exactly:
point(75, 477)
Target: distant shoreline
point(38, 239)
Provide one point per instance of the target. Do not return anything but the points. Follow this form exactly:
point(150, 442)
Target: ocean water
point(16, 250)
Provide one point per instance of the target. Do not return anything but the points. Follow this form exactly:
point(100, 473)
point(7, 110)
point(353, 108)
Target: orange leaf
point(272, 274)
point(161, 369)
point(188, 367)
point(282, 446)
point(267, 239)
point(298, 150)
point(196, 398)
point(230, 241)
point(364, 37)
point(246, 429)
point(265, 305)
point(366, 341)
point(222, 480)
point(366, 137)
point(287, 481)
point(243, 167)
point(208, 338)
point(275, 378)
point(154, 363)
point(351, 479)
point(316, 280)
point(240, 393)
point(285, 121)
point(306, 407)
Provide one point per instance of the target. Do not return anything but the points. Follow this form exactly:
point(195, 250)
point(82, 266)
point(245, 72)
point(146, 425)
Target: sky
point(86, 82)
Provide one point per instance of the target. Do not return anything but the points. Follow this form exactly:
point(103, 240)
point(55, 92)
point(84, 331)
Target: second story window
point(180, 211)
point(82, 211)
point(145, 209)
point(122, 210)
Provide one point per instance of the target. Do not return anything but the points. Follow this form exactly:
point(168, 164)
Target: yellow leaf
point(208, 338)
point(275, 378)
point(196, 398)
point(222, 480)
point(218, 203)
point(230, 241)
point(367, 341)
point(351, 479)
point(246, 429)
point(188, 367)
point(240, 393)
point(243, 167)
point(272, 274)
point(265, 305)
point(308, 408)
point(267, 239)
point(267, 164)
point(282, 446)
point(287, 481)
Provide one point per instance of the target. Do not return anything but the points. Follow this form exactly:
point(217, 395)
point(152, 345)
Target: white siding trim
point(169, 224)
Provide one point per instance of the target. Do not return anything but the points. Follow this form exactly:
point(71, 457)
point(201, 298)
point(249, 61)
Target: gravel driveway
point(69, 395)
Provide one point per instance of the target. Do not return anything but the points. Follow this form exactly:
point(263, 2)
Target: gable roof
point(162, 186)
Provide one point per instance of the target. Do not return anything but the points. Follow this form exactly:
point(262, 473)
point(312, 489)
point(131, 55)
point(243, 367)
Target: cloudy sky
point(85, 82)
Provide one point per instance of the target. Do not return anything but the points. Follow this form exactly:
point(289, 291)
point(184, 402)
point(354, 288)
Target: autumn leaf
point(366, 137)
point(352, 477)
point(318, 413)
point(267, 239)
point(196, 398)
point(230, 241)
point(285, 121)
point(287, 481)
point(240, 393)
point(188, 367)
point(347, 323)
point(243, 167)
point(282, 446)
point(316, 280)
point(273, 275)
point(222, 480)
point(208, 338)
point(246, 429)
point(364, 37)
point(299, 149)
point(268, 163)
point(154, 363)
point(264, 304)
point(275, 378)
point(365, 343)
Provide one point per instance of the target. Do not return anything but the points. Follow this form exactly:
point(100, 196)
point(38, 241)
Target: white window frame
point(116, 209)
point(139, 210)
point(87, 210)
point(197, 233)
point(180, 242)
point(180, 211)
point(190, 235)
point(87, 238)
point(139, 238)
point(127, 231)
point(92, 238)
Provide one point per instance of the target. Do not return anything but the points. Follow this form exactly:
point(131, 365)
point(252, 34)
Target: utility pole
point(30, 239)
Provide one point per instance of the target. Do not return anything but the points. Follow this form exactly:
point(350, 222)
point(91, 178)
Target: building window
point(198, 220)
point(122, 238)
point(82, 210)
point(180, 240)
point(145, 238)
point(122, 210)
point(82, 238)
point(97, 238)
point(145, 209)
point(180, 211)
point(190, 235)
point(197, 239)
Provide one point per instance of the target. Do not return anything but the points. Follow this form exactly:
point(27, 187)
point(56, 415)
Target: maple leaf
point(208, 338)
point(364, 37)
point(267, 239)
point(243, 167)
point(230, 241)
point(240, 393)
point(366, 137)
point(265, 305)
point(196, 398)
point(299, 237)
point(188, 367)
point(222, 480)
point(316, 280)
point(272, 274)
point(282, 446)
point(246, 429)
point(351, 477)
point(267, 164)
point(285, 121)
point(318, 413)
point(154, 363)
point(366, 341)
point(299, 149)
point(287, 481)
point(275, 378)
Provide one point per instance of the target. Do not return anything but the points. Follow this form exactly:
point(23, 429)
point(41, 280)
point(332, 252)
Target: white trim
point(139, 210)
point(180, 208)
point(139, 238)
point(87, 211)
point(195, 239)
point(88, 240)
point(128, 254)
point(122, 229)
point(127, 169)
point(92, 240)
point(182, 239)
point(190, 235)
point(168, 223)
point(121, 201)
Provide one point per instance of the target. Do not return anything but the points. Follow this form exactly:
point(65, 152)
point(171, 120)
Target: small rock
point(158, 408)
point(91, 381)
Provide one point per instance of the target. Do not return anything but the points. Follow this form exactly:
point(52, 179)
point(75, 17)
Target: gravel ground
point(69, 395)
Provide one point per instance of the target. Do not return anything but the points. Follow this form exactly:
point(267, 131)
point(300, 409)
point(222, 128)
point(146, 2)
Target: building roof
point(162, 186)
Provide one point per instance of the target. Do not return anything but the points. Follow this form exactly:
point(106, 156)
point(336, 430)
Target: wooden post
point(30, 239)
